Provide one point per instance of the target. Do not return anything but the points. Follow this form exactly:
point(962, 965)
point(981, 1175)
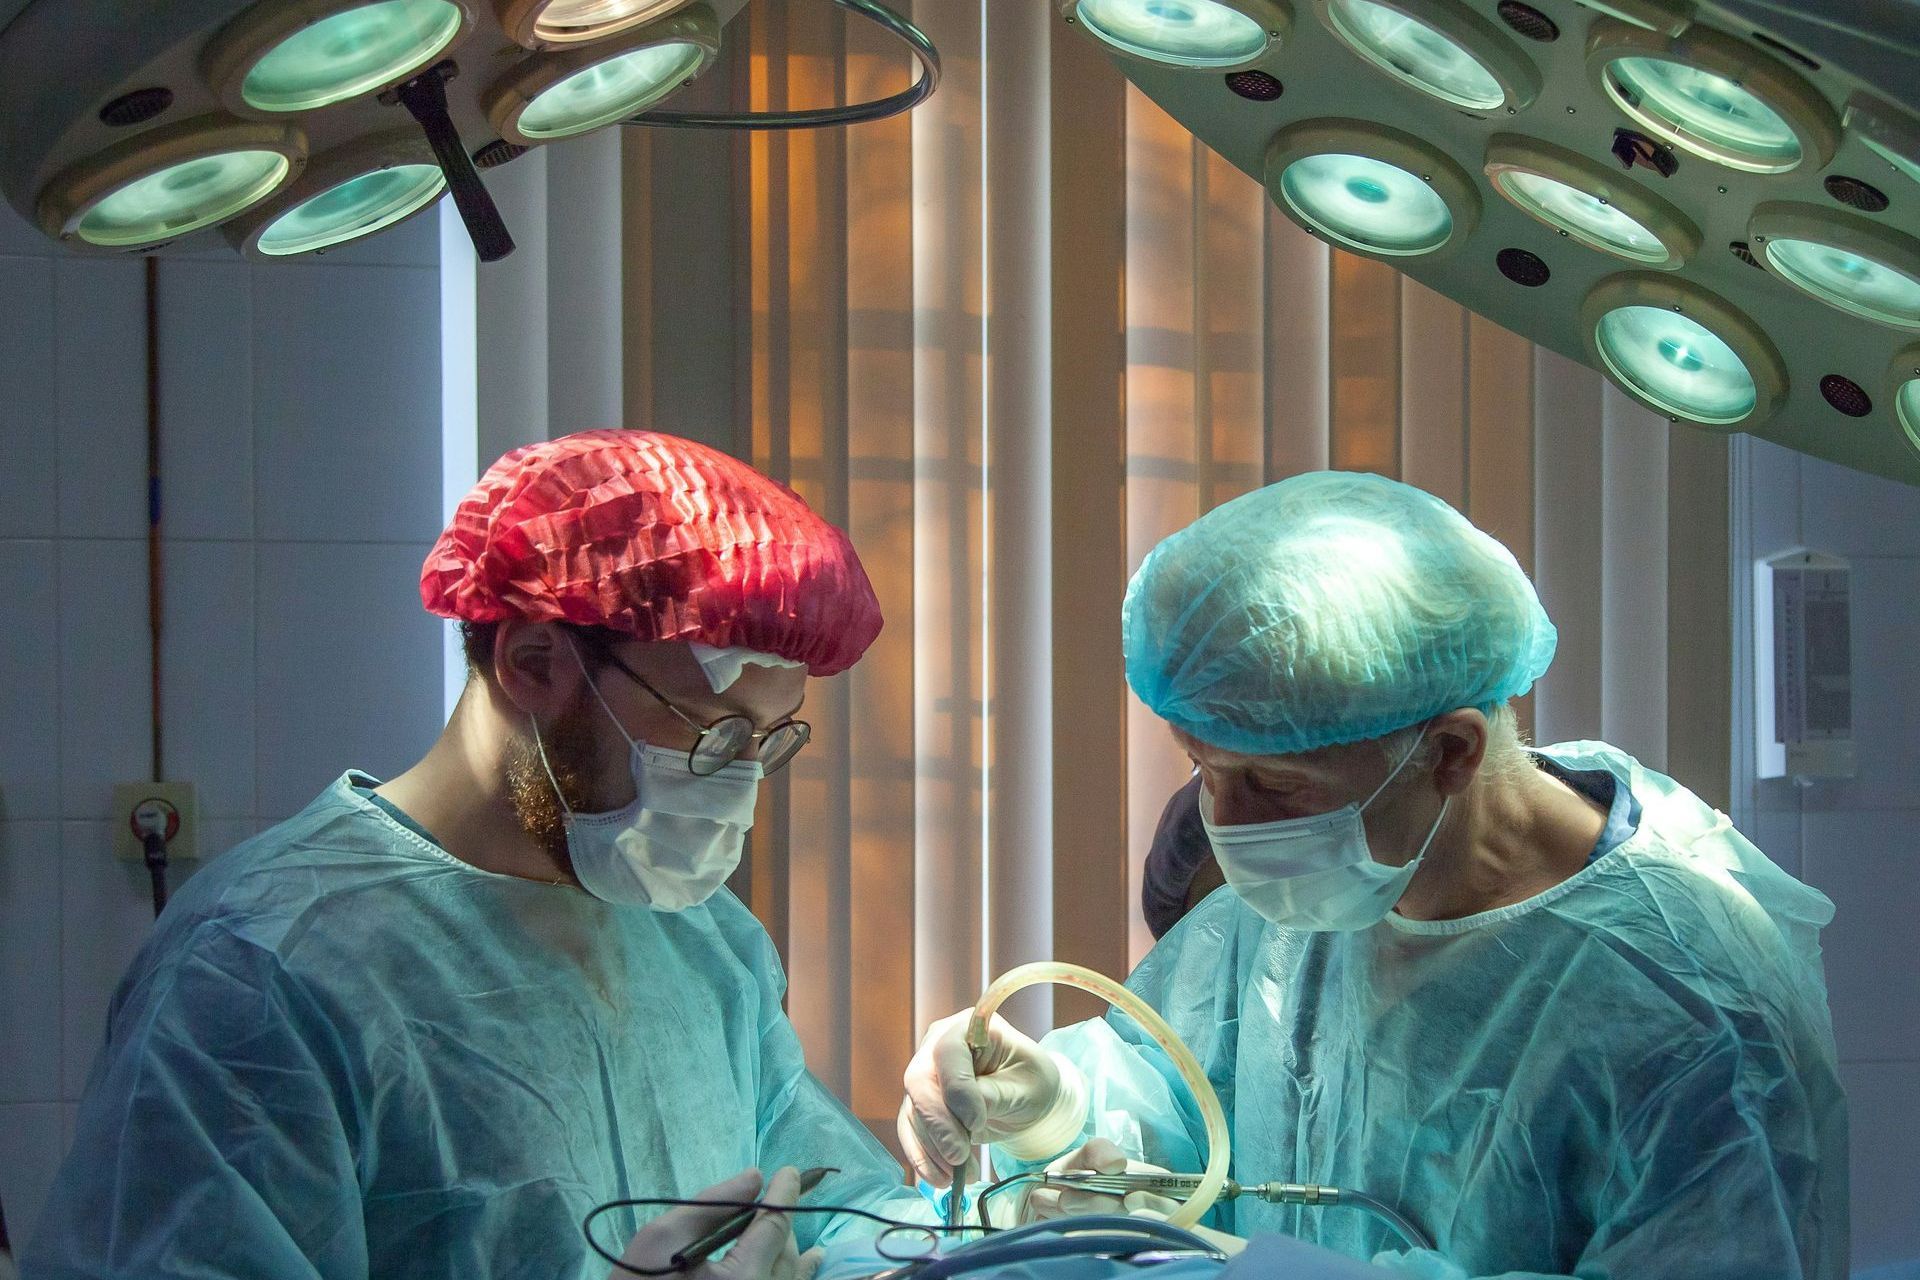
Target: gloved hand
point(766, 1252)
point(1031, 1102)
point(1098, 1156)
point(1102, 1156)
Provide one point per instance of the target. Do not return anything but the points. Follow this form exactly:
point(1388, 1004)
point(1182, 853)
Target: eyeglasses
point(726, 739)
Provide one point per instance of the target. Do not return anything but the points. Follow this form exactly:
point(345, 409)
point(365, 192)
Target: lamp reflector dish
point(1850, 281)
point(1677, 364)
point(578, 21)
point(1183, 33)
point(1705, 113)
point(1586, 218)
point(607, 91)
point(350, 53)
point(1416, 53)
point(354, 208)
point(1902, 164)
point(182, 198)
point(1906, 403)
point(1367, 203)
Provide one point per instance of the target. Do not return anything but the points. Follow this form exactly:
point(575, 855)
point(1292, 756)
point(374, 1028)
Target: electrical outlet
point(173, 801)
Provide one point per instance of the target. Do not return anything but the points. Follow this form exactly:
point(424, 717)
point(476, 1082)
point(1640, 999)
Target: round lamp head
point(348, 194)
point(170, 182)
point(1715, 97)
point(1677, 363)
point(1587, 202)
point(299, 55)
point(1849, 263)
point(559, 24)
point(566, 94)
point(1683, 352)
point(1588, 218)
point(1904, 383)
point(1216, 34)
point(1889, 133)
point(1439, 47)
point(1367, 203)
point(1375, 191)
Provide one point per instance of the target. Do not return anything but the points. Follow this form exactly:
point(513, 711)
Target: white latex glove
point(766, 1252)
point(1098, 1156)
point(1031, 1102)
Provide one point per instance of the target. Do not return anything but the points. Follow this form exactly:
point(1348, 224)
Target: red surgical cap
point(659, 538)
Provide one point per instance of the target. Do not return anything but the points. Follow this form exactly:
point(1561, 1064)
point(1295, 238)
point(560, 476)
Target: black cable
point(821, 117)
point(662, 1202)
point(155, 846)
point(986, 1223)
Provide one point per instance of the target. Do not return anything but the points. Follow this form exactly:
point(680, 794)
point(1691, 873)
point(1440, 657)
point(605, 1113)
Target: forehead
point(1325, 764)
point(670, 667)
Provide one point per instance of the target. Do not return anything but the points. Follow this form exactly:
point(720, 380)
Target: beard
point(577, 758)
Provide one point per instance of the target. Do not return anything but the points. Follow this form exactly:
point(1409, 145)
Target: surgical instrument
point(734, 1227)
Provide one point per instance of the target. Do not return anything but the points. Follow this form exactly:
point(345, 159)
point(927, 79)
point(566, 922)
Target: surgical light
point(1848, 280)
point(1368, 203)
point(357, 207)
point(1845, 261)
point(1439, 48)
point(553, 24)
point(1709, 114)
point(563, 95)
point(299, 56)
point(1715, 97)
point(1589, 218)
point(1679, 364)
point(1683, 352)
point(344, 195)
point(1369, 189)
point(1590, 203)
point(1906, 394)
point(162, 185)
point(1181, 33)
point(1890, 134)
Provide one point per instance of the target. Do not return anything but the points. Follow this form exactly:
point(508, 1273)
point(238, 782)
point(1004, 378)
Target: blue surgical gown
point(344, 1053)
point(1631, 1074)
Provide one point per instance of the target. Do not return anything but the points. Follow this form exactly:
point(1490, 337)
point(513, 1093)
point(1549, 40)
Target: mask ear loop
point(1446, 802)
point(1400, 768)
point(541, 747)
point(594, 686)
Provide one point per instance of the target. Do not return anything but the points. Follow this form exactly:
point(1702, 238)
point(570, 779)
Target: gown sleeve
point(212, 1142)
point(801, 1123)
point(1722, 1175)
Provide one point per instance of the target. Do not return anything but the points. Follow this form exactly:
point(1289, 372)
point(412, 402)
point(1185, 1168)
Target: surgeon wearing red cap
point(427, 1025)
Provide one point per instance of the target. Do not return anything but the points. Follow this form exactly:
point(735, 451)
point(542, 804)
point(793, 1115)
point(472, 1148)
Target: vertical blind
point(1011, 341)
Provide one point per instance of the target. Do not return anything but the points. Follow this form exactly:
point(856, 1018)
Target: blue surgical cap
point(1331, 607)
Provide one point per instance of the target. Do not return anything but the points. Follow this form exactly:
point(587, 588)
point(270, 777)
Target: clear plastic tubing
point(1219, 1149)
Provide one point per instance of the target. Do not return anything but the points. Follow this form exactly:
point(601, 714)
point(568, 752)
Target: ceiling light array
point(1677, 90)
point(587, 64)
point(300, 125)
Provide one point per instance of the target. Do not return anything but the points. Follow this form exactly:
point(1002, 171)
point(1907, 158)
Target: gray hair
point(1506, 760)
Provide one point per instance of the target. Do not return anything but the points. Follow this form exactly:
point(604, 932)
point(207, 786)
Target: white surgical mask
point(1318, 872)
point(679, 840)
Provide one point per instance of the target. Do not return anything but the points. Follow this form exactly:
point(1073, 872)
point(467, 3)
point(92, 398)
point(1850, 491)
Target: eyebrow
point(1289, 775)
point(721, 709)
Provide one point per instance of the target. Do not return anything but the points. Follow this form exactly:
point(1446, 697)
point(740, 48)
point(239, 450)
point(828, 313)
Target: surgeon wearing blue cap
point(1547, 1003)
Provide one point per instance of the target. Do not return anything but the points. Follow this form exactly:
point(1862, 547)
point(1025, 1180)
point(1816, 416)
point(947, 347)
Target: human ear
point(535, 667)
point(1458, 741)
